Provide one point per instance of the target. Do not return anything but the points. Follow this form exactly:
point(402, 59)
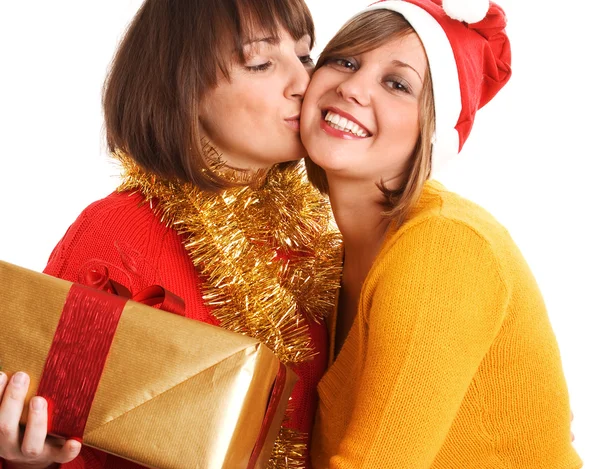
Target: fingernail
point(38, 403)
point(2, 378)
point(19, 379)
point(75, 446)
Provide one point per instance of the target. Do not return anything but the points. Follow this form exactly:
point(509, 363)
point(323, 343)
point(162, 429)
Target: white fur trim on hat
point(444, 77)
point(469, 11)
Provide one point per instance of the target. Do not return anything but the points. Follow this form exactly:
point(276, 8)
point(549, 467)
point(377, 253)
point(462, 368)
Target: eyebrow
point(269, 40)
point(399, 63)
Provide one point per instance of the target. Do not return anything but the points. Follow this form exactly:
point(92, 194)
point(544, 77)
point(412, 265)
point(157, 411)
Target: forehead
point(272, 17)
point(407, 49)
point(264, 37)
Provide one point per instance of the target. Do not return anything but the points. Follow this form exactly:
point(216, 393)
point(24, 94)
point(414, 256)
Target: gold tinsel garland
point(268, 258)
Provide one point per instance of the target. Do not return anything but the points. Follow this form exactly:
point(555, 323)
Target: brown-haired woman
point(202, 107)
point(443, 356)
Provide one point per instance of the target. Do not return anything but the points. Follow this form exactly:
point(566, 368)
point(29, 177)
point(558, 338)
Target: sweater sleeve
point(429, 312)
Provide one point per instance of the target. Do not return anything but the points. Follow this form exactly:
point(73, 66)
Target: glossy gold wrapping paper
point(175, 393)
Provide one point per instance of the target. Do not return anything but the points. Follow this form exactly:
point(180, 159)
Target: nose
point(298, 80)
point(354, 88)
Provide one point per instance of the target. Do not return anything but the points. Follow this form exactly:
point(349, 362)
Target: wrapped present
point(144, 384)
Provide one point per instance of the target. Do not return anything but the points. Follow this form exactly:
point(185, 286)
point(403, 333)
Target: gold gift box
point(175, 393)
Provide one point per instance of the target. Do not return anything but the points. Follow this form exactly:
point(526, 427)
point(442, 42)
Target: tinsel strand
point(269, 258)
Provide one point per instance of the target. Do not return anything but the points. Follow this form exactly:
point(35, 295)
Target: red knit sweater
point(121, 232)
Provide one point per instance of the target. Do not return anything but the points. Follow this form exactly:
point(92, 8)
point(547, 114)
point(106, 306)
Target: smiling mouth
point(344, 124)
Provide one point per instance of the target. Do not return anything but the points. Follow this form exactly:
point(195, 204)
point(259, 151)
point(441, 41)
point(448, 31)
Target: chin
point(289, 154)
point(330, 159)
point(297, 153)
point(317, 158)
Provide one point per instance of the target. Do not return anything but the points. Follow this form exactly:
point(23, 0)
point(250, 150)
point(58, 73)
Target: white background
point(532, 159)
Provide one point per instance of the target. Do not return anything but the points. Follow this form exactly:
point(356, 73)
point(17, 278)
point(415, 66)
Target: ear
point(203, 113)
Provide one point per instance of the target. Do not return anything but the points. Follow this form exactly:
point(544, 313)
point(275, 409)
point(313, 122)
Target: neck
point(358, 214)
point(228, 170)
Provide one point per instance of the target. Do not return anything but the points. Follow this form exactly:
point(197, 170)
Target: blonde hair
point(364, 33)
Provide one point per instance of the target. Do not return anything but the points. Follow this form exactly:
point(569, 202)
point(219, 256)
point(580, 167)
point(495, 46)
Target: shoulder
point(116, 207)
point(449, 252)
point(446, 232)
point(455, 221)
point(120, 215)
point(115, 230)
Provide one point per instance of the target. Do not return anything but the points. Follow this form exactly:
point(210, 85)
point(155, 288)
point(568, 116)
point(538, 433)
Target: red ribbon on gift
point(154, 295)
point(80, 347)
point(274, 400)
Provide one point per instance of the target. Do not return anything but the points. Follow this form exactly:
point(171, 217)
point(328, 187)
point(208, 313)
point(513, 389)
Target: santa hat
point(469, 58)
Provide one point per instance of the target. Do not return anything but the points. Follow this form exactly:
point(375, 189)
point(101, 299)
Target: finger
point(3, 381)
point(571, 416)
point(36, 428)
point(572, 437)
point(11, 409)
point(65, 453)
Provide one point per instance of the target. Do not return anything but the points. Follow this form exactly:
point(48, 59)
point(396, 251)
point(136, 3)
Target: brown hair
point(171, 54)
point(364, 33)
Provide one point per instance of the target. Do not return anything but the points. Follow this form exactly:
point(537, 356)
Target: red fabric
point(483, 57)
point(122, 233)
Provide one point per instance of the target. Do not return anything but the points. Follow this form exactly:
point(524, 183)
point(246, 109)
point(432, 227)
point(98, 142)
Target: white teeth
point(341, 123)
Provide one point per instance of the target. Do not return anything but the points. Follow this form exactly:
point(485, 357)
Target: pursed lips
point(293, 122)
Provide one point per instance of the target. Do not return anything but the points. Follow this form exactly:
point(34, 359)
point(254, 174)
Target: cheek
point(269, 106)
point(308, 112)
point(311, 95)
point(401, 127)
point(245, 105)
point(321, 84)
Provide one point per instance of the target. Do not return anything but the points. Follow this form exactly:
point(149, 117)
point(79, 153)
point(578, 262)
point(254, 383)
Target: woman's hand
point(31, 449)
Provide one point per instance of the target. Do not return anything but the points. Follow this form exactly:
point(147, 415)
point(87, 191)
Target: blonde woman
point(443, 355)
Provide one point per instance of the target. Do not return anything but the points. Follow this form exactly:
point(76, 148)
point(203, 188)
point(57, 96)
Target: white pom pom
point(469, 11)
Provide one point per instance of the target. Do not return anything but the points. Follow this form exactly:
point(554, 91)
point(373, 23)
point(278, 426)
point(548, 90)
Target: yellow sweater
point(451, 362)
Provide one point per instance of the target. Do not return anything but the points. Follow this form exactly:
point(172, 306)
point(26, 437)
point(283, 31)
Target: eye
point(259, 68)
point(397, 85)
point(306, 60)
point(342, 64)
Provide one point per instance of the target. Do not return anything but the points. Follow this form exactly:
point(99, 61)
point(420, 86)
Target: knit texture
point(451, 362)
point(122, 233)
